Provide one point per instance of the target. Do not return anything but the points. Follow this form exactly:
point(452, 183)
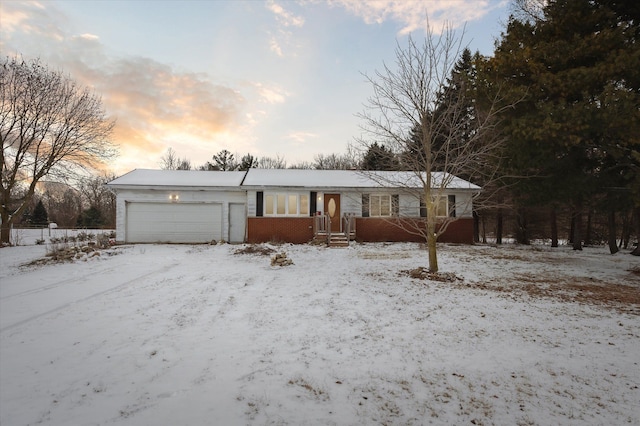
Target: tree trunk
point(587, 234)
point(553, 218)
point(577, 227)
point(499, 227)
point(626, 230)
point(522, 235)
point(484, 229)
point(431, 241)
point(476, 227)
point(572, 228)
point(636, 225)
point(5, 233)
point(613, 244)
point(5, 228)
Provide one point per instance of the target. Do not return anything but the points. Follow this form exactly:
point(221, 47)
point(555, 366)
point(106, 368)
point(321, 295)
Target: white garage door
point(173, 222)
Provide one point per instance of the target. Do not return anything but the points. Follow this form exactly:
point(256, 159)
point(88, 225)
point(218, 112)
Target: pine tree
point(90, 218)
point(576, 72)
point(40, 216)
point(379, 157)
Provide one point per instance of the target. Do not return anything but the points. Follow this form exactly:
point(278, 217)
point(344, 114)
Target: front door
point(332, 207)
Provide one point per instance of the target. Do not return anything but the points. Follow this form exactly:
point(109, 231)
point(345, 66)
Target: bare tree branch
point(453, 135)
point(49, 126)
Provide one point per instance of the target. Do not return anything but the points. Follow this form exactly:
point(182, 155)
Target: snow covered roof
point(305, 178)
point(290, 178)
point(192, 178)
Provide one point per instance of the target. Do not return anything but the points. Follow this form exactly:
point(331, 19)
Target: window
point(441, 208)
point(446, 206)
point(268, 205)
point(280, 210)
point(380, 205)
point(259, 203)
point(286, 204)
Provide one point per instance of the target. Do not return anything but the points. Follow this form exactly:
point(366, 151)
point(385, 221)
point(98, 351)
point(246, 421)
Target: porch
point(337, 232)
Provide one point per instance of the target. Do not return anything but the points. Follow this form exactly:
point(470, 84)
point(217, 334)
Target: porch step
point(339, 240)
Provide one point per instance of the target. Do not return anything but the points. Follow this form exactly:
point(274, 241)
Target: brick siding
point(295, 230)
point(299, 230)
point(375, 229)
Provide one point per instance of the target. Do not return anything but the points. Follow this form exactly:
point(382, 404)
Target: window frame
point(279, 203)
point(447, 202)
point(388, 202)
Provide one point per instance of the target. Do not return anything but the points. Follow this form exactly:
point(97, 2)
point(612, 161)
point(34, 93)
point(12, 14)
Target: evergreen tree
point(40, 216)
point(224, 161)
point(379, 157)
point(247, 162)
point(455, 117)
point(575, 73)
point(90, 218)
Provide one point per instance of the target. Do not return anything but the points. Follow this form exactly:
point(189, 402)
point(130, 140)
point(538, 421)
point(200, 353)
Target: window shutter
point(313, 206)
point(365, 205)
point(395, 205)
point(259, 203)
point(451, 199)
point(423, 207)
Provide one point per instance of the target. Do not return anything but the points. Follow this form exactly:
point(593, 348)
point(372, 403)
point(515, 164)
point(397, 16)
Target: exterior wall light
point(174, 198)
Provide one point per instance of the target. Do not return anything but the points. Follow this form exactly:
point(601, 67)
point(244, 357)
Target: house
point(288, 205)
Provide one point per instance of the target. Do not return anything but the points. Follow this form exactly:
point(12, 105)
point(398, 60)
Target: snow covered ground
point(204, 335)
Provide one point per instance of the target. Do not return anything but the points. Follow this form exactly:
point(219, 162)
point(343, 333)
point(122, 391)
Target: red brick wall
point(295, 230)
point(299, 230)
point(376, 229)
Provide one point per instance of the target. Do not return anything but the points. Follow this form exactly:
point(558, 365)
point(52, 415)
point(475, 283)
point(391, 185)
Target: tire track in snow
point(52, 286)
point(84, 299)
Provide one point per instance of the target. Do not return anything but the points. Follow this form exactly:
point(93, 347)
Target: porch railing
point(322, 227)
point(349, 225)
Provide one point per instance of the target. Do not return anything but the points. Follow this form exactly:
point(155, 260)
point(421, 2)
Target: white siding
point(251, 203)
point(464, 204)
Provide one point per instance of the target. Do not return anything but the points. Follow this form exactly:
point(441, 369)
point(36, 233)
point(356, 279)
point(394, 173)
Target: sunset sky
point(273, 78)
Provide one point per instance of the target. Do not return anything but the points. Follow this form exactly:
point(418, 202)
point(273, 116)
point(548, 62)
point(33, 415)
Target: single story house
point(288, 205)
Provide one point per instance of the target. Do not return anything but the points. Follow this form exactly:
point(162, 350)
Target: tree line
point(87, 204)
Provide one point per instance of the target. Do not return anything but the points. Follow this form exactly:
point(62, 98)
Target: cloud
point(29, 17)
point(155, 106)
point(283, 16)
point(413, 15)
point(271, 94)
point(301, 137)
point(282, 37)
point(274, 46)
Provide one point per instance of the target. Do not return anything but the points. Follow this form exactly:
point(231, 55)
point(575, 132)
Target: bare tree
point(49, 126)
point(63, 202)
point(528, 10)
point(171, 161)
point(97, 194)
point(335, 161)
point(407, 106)
point(276, 162)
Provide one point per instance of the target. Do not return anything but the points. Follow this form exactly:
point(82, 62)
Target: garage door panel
point(169, 222)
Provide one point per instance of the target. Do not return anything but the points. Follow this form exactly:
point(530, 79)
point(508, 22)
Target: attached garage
point(173, 222)
point(180, 206)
